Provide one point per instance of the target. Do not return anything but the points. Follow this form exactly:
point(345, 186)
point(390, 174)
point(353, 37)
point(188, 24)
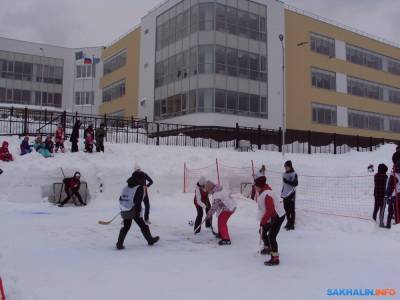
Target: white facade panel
point(340, 49)
point(342, 116)
point(341, 83)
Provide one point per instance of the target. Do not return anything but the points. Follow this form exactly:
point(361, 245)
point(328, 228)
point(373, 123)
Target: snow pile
point(48, 252)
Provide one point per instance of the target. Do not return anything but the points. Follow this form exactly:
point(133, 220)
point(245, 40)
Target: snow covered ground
point(48, 252)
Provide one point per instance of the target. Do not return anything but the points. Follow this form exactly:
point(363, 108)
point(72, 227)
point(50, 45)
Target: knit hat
point(202, 181)
point(136, 167)
point(288, 164)
point(260, 180)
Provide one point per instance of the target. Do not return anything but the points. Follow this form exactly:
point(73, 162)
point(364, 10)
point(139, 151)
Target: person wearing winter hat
point(25, 147)
point(290, 182)
point(271, 216)
point(5, 154)
point(380, 180)
point(72, 186)
point(224, 206)
point(253, 187)
point(146, 182)
point(131, 207)
point(201, 202)
point(393, 196)
point(59, 138)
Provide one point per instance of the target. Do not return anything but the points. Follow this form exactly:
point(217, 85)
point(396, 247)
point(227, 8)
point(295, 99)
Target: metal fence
point(23, 121)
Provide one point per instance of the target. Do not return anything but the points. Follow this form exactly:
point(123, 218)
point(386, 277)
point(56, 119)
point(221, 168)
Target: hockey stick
point(202, 222)
point(62, 185)
point(108, 222)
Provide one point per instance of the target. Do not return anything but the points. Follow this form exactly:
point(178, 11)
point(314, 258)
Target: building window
point(322, 44)
point(114, 91)
point(210, 100)
point(84, 98)
point(364, 88)
point(394, 67)
point(210, 16)
point(211, 59)
point(86, 71)
point(363, 57)
point(323, 79)
point(394, 125)
point(365, 120)
point(115, 62)
point(324, 114)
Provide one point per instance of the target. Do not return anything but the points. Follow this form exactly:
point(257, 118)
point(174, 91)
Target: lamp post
point(281, 37)
point(41, 81)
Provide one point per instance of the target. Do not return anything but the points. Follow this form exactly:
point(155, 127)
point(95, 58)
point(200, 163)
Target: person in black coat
point(396, 155)
point(75, 136)
point(1, 171)
point(393, 195)
point(146, 182)
point(136, 190)
point(380, 180)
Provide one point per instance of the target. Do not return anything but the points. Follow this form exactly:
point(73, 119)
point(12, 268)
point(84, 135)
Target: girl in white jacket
point(224, 206)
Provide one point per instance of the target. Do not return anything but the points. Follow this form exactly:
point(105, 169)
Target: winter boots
point(265, 251)
point(224, 242)
point(274, 261)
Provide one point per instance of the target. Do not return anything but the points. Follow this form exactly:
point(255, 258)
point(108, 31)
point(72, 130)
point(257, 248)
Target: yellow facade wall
point(299, 92)
point(129, 73)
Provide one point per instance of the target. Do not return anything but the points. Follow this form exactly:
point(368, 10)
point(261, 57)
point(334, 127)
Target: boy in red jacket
point(72, 186)
point(271, 216)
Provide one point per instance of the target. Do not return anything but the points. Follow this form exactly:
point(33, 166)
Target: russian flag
point(87, 61)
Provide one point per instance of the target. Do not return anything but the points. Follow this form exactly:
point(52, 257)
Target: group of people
point(91, 137)
point(48, 147)
point(271, 213)
point(387, 192)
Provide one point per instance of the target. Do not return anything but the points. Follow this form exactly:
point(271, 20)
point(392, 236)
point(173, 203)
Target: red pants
point(222, 224)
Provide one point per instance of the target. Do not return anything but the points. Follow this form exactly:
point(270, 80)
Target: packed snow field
point(47, 252)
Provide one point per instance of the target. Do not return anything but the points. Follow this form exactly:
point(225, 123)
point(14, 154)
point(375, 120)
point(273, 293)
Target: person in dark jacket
point(25, 147)
point(74, 138)
point(131, 207)
point(380, 180)
point(146, 182)
point(99, 136)
point(393, 195)
point(201, 202)
point(288, 194)
point(396, 155)
point(1, 171)
point(72, 186)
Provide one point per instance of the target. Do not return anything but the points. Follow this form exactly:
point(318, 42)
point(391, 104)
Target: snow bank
point(48, 252)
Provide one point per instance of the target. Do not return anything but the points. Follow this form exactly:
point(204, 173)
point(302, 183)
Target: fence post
point(309, 141)
point(383, 141)
point(45, 116)
point(358, 143)
point(105, 124)
point(280, 139)
point(127, 132)
point(11, 116)
point(158, 135)
point(237, 136)
point(64, 123)
point(25, 121)
point(370, 143)
point(259, 137)
point(334, 144)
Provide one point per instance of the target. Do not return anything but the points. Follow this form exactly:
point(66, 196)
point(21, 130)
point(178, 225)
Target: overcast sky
point(77, 23)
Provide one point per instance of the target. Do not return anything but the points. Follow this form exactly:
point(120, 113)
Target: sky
point(77, 23)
